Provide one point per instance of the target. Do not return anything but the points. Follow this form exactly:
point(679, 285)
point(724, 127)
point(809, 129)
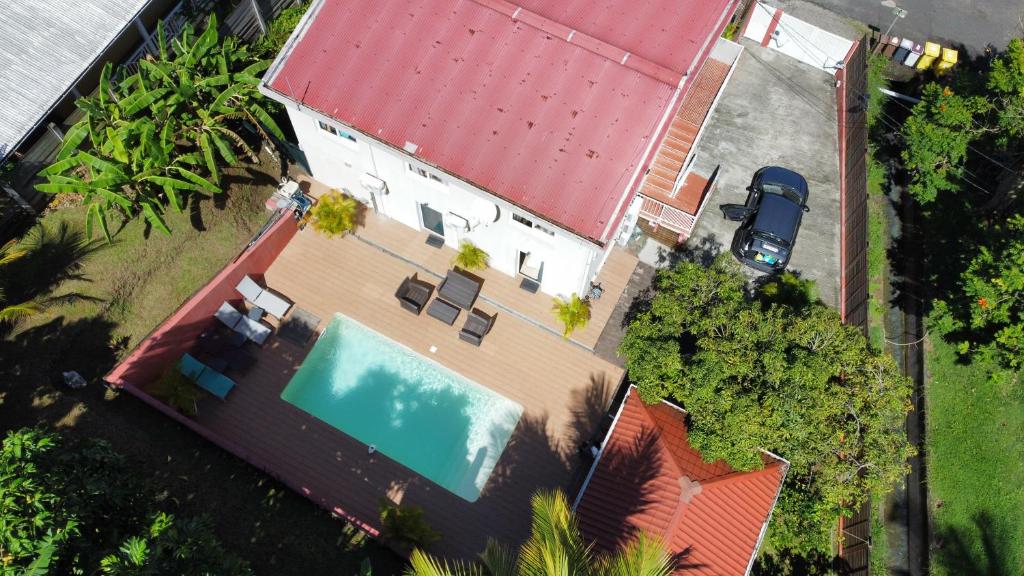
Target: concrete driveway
point(776, 111)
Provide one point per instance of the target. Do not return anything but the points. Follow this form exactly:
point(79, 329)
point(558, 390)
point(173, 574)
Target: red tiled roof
point(553, 110)
point(650, 479)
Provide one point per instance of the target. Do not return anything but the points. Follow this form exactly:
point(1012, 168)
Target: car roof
point(778, 216)
point(784, 177)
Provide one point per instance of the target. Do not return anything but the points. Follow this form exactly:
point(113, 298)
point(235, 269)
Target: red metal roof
point(553, 115)
point(650, 479)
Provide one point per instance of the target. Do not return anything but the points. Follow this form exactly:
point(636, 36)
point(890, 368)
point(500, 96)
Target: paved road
point(974, 23)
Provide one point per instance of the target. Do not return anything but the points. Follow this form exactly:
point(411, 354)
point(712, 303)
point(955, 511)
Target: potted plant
point(573, 313)
point(335, 214)
point(470, 257)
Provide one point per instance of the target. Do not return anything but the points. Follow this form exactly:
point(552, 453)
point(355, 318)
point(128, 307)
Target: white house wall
point(570, 262)
point(797, 38)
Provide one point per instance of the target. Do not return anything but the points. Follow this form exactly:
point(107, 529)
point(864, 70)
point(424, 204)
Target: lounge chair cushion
point(273, 304)
point(228, 315)
point(249, 289)
point(253, 330)
point(191, 367)
point(207, 378)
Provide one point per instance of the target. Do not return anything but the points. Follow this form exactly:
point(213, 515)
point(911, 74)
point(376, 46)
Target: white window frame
point(423, 173)
point(336, 132)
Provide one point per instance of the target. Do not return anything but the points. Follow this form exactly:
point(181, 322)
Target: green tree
point(555, 546)
point(791, 378)
point(936, 136)
point(162, 133)
point(1006, 84)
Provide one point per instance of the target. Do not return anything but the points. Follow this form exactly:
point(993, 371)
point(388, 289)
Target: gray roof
point(45, 45)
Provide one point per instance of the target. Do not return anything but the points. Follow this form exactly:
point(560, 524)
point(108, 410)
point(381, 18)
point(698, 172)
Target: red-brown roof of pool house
point(553, 106)
point(648, 478)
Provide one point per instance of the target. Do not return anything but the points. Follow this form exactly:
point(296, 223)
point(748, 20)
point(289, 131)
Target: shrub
point(335, 214)
point(470, 257)
point(405, 526)
point(573, 313)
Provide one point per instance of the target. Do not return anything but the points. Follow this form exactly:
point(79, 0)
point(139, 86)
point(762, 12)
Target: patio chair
point(272, 303)
point(205, 377)
point(477, 326)
point(413, 294)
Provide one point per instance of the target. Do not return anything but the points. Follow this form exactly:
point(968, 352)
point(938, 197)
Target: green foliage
point(470, 257)
point(555, 546)
point(788, 289)
point(730, 31)
point(187, 548)
point(936, 136)
point(177, 391)
point(280, 30)
point(877, 64)
point(405, 526)
point(10, 252)
point(156, 137)
point(789, 378)
point(1006, 84)
point(66, 506)
point(573, 313)
point(335, 214)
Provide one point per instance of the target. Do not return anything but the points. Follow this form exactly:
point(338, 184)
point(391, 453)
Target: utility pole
point(897, 13)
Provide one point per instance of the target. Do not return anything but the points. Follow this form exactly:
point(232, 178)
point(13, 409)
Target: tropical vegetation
point(573, 313)
point(335, 214)
point(555, 546)
point(405, 526)
point(10, 252)
point(778, 372)
point(68, 508)
point(161, 134)
point(470, 256)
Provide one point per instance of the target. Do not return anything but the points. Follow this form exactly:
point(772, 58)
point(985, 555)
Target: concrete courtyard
point(774, 111)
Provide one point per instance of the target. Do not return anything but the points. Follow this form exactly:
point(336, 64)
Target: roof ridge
point(587, 42)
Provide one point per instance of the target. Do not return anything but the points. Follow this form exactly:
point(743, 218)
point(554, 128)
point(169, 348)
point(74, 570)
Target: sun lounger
point(205, 377)
point(251, 329)
point(414, 294)
point(274, 304)
point(477, 326)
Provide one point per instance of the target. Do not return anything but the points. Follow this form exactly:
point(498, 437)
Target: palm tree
point(335, 214)
point(555, 548)
point(573, 313)
point(9, 312)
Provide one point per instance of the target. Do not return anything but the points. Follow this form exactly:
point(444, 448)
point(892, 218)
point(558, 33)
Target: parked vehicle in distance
point(771, 219)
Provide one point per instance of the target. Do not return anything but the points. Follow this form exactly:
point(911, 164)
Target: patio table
point(459, 289)
point(443, 311)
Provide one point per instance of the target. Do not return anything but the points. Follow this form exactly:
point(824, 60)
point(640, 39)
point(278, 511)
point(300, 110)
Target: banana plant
point(154, 137)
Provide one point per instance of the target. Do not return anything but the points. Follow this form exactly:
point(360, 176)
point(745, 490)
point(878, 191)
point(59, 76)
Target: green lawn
point(975, 459)
point(108, 298)
point(878, 243)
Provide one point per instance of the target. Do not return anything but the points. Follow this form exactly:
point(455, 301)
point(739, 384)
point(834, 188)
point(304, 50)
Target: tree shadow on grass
point(982, 549)
point(38, 355)
point(53, 256)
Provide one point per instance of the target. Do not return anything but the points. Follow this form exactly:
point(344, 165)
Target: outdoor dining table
point(459, 289)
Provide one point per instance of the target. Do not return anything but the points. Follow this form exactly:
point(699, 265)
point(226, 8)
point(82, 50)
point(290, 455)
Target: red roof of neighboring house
point(553, 110)
point(649, 478)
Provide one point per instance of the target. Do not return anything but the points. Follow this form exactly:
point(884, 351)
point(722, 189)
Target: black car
point(771, 219)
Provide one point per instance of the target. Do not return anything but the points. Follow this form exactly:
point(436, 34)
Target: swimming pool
point(411, 409)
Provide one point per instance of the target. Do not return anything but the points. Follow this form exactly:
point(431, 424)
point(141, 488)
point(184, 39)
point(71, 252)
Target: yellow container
point(931, 52)
point(947, 61)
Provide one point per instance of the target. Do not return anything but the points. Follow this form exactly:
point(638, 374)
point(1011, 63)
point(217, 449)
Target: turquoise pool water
point(411, 409)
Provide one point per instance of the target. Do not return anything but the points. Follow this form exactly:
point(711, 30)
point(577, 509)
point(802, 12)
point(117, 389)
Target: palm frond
point(422, 564)
point(643, 556)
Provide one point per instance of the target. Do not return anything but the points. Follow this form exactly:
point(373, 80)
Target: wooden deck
point(563, 388)
point(500, 290)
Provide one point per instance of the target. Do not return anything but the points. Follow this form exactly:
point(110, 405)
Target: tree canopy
point(157, 135)
point(788, 377)
point(79, 508)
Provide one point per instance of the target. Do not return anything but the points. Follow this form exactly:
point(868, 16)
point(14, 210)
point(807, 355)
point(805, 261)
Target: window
point(531, 224)
point(335, 131)
point(424, 173)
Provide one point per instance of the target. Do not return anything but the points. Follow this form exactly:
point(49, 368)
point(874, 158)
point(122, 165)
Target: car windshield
point(780, 190)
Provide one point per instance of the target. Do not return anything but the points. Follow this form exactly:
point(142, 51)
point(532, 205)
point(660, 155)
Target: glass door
point(432, 219)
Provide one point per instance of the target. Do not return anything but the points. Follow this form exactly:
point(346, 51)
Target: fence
point(249, 19)
point(855, 549)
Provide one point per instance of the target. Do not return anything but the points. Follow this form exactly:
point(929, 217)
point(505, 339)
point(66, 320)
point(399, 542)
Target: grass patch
point(878, 245)
point(975, 466)
point(107, 298)
point(879, 558)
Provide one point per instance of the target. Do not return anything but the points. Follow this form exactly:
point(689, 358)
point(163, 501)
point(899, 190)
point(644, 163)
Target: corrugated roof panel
point(530, 116)
point(45, 46)
point(639, 485)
